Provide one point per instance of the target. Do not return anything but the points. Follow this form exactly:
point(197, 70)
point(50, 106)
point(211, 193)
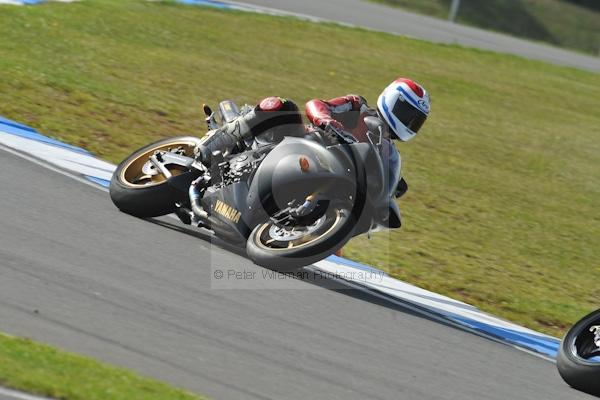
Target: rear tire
point(574, 368)
point(263, 248)
point(147, 197)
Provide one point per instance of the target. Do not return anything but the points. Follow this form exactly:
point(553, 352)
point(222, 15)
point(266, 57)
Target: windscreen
point(391, 164)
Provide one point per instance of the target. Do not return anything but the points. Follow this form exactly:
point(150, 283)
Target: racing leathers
point(346, 113)
point(281, 117)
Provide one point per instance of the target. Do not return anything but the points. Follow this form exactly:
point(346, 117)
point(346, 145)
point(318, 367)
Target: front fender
point(281, 178)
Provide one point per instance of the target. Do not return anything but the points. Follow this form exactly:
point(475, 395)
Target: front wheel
point(285, 248)
point(137, 188)
point(578, 359)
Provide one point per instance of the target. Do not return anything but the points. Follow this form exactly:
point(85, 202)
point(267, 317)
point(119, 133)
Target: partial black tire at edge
point(580, 376)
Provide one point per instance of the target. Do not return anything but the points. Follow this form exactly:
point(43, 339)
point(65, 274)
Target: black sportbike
point(290, 202)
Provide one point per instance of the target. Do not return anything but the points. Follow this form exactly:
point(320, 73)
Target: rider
point(403, 106)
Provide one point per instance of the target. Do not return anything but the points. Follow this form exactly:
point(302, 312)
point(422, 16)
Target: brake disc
point(287, 234)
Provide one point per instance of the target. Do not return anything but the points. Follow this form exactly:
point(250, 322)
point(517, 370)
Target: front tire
point(576, 360)
point(283, 249)
point(142, 195)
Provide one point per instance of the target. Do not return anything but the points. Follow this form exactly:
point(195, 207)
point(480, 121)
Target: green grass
point(573, 24)
point(503, 209)
point(47, 371)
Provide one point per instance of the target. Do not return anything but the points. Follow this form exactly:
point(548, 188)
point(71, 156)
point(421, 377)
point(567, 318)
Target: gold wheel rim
point(131, 174)
point(259, 233)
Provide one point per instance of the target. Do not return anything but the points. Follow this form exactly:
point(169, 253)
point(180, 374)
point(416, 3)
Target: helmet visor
point(410, 116)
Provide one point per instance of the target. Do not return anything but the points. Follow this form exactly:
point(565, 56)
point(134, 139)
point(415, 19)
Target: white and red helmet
point(404, 105)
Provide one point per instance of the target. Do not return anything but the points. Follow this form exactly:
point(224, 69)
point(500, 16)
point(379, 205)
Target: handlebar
point(341, 134)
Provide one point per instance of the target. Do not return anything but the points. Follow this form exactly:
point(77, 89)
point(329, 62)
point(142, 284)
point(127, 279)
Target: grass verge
point(46, 371)
point(573, 24)
point(503, 209)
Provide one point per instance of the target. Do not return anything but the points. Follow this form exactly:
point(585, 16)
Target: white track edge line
point(20, 395)
point(49, 166)
point(437, 317)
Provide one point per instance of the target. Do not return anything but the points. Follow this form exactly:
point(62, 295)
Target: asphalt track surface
point(78, 274)
point(393, 20)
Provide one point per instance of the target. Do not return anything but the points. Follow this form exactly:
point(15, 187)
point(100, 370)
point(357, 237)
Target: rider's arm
point(320, 112)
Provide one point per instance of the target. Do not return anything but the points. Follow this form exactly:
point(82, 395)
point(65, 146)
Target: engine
point(238, 167)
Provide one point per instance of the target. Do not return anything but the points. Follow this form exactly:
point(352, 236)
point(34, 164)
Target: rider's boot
point(270, 113)
point(225, 138)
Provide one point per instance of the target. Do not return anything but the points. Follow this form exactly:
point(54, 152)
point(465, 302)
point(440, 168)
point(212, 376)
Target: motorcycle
point(290, 202)
point(578, 359)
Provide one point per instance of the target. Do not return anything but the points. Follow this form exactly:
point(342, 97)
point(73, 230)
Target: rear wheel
point(578, 359)
point(289, 247)
point(139, 189)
